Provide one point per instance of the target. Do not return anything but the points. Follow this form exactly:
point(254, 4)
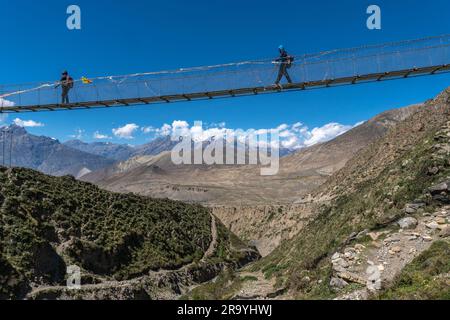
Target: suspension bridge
point(397, 60)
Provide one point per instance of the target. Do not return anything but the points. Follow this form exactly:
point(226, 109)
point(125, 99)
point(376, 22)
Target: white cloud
point(291, 142)
point(98, 135)
point(165, 130)
point(149, 129)
point(326, 133)
point(27, 123)
point(126, 132)
point(292, 136)
point(6, 103)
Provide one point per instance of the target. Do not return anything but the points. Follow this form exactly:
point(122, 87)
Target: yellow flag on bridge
point(86, 80)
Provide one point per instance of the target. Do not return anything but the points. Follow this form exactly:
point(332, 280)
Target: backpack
point(70, 82)
point(290, 61)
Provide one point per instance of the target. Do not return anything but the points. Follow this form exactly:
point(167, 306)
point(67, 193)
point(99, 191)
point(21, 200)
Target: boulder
point(340, 263)
point(413, 207)
point(374, 235)
point(362, 234)
point(445, 233)
point(335, 256)
point(338, 283)
point(441, 220)
point(351, 277)
point(438, 188)
point(433, 170)
point(396, 249)
point(407, 223)
point(410, 210)
point(432, 225)
point(373, 282)
point(350, 255)
point(442, 197)
point(352, 236)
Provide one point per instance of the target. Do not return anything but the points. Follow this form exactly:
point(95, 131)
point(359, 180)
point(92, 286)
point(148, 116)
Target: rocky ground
point(371, 263)
point(258, 288)
point(375, 263)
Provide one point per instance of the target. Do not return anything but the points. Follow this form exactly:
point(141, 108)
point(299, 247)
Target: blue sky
point(119, 37)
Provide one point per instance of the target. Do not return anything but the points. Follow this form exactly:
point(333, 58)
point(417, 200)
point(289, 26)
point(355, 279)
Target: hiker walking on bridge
point(285, 61)
point(66, 84)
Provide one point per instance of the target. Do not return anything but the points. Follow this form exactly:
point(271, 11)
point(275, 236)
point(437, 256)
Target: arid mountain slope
point(359, 214)
point(234, 185)
point(45, 154)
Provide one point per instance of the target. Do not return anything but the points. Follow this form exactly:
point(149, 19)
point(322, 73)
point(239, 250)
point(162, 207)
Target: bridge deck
point(231, 93)
point(339, 67)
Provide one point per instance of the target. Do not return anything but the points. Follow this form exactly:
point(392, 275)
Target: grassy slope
point(48, 223)
point(426, 277)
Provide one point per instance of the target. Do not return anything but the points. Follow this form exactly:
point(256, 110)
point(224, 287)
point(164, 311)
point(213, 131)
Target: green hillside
point(48, 223)
point(424, 278)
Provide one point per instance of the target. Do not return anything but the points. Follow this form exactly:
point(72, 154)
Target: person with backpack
point(66, 84)
point(285, 61)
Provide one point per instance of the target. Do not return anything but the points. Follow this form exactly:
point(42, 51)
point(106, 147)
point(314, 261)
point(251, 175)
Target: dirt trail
point(213, 244)
point(376, 264)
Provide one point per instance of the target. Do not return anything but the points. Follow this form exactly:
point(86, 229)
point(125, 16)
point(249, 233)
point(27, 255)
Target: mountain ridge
point(123, 152)
point(219, 185)
point(45, 154)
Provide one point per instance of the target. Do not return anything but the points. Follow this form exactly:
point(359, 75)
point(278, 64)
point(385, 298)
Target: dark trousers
point(283, 72)
point(65, 95)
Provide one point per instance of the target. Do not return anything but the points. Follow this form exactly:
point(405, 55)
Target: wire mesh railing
point(431, 54)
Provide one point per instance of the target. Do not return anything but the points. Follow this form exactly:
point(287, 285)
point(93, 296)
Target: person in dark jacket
point(285, 61)
point(66, 84)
